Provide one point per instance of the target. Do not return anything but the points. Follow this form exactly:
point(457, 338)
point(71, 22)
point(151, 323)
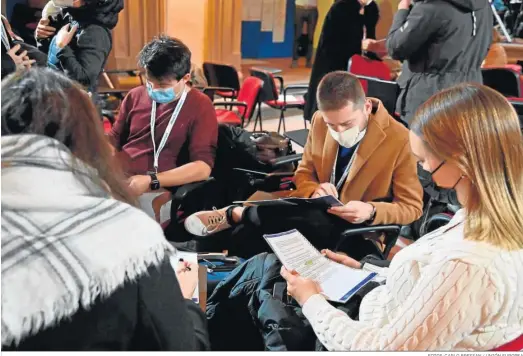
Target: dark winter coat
point(442, 43)
point(84, 58)
point(340, 39)
point(147, 315)
point(247, 313)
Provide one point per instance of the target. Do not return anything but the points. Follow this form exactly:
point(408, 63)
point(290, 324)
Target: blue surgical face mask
point(161, 96)
point(165, 95)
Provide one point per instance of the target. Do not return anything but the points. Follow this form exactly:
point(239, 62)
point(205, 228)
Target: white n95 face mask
point(348, 138)
point(63, 3)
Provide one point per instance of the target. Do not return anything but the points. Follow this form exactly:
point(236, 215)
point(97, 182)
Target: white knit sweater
point(442, 293)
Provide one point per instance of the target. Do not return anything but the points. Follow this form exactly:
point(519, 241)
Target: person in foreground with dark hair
point(168, 131)
point(76, 35)
point(355, 152)
point(82, 269)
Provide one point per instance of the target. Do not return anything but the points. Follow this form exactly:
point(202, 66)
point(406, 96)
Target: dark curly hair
point(165, 58)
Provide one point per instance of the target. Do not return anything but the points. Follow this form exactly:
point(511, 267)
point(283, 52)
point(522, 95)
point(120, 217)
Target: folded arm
point(188, 173)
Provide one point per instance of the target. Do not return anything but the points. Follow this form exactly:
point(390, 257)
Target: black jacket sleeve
point(8, 65)
point(370, 259)
point(167, 321)
point(411, 30)
point(371, 16)
point(84, 61)
point(342, 30)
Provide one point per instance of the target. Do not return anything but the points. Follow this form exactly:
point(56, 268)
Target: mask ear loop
point(459, 180)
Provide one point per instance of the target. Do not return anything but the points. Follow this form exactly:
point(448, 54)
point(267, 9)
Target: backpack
point(239, 148)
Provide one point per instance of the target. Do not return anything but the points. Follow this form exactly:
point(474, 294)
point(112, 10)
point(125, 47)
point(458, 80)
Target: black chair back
point(384, 90)
point(269, 90)
point(221, 75)
point(518, 105)
point(506, 81)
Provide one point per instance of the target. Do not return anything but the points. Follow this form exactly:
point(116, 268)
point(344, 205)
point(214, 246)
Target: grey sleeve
point(410, 30)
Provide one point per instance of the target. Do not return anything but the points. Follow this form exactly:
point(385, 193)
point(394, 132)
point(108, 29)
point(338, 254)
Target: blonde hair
point(478, 130)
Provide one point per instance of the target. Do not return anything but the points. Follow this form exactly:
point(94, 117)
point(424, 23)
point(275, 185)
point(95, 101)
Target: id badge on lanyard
point(345, 174)
point(168, 129)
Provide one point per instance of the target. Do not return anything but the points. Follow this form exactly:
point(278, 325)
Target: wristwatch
point(155, 183)
point(370, 220)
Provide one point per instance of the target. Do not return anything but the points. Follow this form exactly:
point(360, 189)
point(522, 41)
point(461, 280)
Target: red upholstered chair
point(243, 108)
point(278, 99)
point(359, 65)
point(514, 345)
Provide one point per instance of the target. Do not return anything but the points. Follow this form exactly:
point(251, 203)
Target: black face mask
point(452, 195)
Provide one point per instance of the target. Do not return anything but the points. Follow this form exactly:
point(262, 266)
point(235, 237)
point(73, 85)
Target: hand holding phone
point(21, 59)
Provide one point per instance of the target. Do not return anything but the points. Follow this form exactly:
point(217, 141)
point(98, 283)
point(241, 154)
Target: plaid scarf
point(65, 242)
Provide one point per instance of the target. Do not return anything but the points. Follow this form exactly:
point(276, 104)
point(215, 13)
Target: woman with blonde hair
point(460, 287)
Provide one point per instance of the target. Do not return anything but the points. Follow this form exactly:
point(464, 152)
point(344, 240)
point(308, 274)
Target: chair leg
point(258, 117)
point(305, 123)
point(282, 121)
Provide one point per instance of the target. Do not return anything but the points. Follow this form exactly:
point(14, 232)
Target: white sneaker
point(205, 223)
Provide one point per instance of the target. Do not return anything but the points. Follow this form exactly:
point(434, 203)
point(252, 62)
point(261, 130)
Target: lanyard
point(346, 172)
point(168, 129)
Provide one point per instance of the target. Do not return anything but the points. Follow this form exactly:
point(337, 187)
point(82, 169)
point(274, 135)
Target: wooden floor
point(290, 75)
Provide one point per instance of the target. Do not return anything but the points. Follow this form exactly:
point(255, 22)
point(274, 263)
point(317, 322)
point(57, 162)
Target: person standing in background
point(441, 43)
point(340, 39)
point(81, 47)
point(371, 16)
point(306, 11)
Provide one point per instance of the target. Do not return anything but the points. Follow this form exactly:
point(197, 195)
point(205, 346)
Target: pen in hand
point(187, 268)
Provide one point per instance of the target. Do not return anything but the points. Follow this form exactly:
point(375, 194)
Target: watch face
point(155, 185)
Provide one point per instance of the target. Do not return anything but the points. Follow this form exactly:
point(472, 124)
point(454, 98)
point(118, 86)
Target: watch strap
point(155, 183)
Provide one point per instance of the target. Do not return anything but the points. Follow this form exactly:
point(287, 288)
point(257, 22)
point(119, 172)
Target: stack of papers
point(338, 282)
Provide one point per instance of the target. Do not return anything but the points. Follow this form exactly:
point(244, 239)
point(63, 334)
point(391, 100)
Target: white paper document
point(188, 257)
point(338, 282)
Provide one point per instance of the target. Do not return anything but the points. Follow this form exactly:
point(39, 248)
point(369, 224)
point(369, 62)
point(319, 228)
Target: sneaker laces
point(214, 221)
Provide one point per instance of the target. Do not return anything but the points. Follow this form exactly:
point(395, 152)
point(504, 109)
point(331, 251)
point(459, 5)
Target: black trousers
point(311, 17)
point(322, 229)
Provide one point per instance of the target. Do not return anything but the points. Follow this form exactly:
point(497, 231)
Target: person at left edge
point(168, 131)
